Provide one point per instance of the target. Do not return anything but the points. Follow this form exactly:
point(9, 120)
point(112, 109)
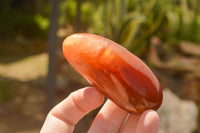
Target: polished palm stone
point(114, 71)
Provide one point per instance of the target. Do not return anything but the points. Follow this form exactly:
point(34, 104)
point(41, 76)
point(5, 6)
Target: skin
point(64, 116)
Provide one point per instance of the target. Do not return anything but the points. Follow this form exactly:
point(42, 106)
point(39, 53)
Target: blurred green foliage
point(132, 22)
point(42, 22)
point(68, 11)
point(21, 19)
point(129, 22)
point(182, 21)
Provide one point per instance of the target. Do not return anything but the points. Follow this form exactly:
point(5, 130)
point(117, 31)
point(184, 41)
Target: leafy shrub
point(17, 22)
point(133, 22)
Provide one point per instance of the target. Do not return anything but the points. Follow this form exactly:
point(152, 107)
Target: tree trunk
point(197, 8)
point(52, 41)
point(78, 15)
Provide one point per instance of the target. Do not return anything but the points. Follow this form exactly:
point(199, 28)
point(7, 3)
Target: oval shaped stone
point(114, 71)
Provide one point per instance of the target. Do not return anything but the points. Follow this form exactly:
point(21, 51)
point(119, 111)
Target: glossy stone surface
point(114, 71)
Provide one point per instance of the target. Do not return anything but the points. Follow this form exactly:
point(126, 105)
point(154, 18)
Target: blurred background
point(34, 75)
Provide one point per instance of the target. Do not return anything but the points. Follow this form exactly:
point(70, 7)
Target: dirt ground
point(23, 84)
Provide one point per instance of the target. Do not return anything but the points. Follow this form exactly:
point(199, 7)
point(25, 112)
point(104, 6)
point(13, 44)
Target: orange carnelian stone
point(114, 71)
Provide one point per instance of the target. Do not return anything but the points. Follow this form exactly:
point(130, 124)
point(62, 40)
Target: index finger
point(66, 114)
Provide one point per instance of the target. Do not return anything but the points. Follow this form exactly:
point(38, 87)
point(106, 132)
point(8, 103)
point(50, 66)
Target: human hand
point(110, 119)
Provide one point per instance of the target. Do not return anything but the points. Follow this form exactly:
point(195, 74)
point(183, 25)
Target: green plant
point(131, 24)
point(42, 22)
point(68, 10)
point(182, 21)
point(17, 22)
